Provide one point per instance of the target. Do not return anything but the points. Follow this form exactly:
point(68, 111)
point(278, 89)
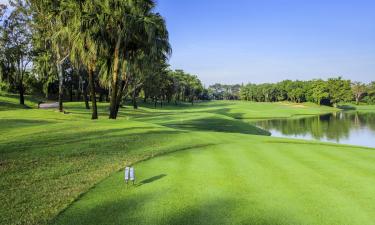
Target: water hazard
point(346, 127)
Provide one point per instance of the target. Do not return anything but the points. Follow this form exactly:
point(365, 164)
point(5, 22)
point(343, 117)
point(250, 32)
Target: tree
point(339, 90)
point(128, 28)
point(319, 91)
point(358, 89)
point(49, 20)
point(3, 58)
point(223, 91)
point(83, 28)
point(43, 56)
point(17, 48)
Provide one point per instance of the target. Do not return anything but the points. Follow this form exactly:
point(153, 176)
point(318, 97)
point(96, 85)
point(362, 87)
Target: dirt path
point(50, 105)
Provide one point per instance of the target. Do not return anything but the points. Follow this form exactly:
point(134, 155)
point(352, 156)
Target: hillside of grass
point(246, 180)
point(49, 160)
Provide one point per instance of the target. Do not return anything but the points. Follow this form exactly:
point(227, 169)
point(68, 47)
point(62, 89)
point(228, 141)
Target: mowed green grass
point(257, 180)
point(49, 160)
point(11, 101)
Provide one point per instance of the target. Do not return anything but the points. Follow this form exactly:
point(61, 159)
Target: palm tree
point(128, 28)
point(47, 18)
point(82, 25)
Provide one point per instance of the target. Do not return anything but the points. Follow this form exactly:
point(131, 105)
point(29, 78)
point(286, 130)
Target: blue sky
point(259, 41)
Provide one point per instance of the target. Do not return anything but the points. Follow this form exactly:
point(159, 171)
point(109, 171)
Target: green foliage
point(339, 90)
point(173, 86)
point(16, 48)
point(224, 92)
point(4, 86)
point(329, 92)
point(319, 91)
point(358, 89)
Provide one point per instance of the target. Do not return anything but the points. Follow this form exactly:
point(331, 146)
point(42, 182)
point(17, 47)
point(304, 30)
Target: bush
point(5, 87)
point(369, 99)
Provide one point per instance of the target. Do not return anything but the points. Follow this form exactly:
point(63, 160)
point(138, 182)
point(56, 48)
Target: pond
point(346, 127)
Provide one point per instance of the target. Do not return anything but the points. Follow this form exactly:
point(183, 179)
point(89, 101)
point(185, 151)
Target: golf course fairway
point(201, 164)
point(250, 181)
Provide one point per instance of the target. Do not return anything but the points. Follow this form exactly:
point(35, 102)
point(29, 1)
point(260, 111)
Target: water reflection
point(348, 127)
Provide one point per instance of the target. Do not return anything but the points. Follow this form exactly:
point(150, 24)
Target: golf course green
point(201, 164)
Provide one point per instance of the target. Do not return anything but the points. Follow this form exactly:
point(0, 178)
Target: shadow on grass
point(9, 124)
point(11, 106)
point(347, 107)
point(219, 125)
point(135, 209)
point(100, 141)
point(226, 112)
point(151, 179)
point(181, 105)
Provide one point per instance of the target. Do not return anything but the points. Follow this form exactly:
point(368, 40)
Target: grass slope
point(251, 180)
point(49, 159)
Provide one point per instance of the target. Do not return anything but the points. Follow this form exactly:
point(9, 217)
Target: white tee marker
point(132, 176)
point(127, 174)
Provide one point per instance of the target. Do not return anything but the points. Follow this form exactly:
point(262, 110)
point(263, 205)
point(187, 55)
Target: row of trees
point(327, 92)
point(71, 49)
point(173, 86)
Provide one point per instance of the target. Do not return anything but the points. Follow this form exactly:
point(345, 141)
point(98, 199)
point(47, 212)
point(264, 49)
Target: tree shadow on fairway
point(119, 211)
point(219, 125)
point(347, 107)
point(94, 139)
point(151, 179)
point(227, 112)
point(17, 123)
point(4, 106)
point(150, 209)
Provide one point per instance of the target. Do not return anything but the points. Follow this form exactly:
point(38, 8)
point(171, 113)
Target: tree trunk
point(71, 92)
point(101, 97)
point(60, 76)
point(21, 90)
point(20, 85)
point(135, 106)
point(47, 91)
point(79, 90)
point(94, 115)
point(118, 100)
point(113, 106)
point(85, 98)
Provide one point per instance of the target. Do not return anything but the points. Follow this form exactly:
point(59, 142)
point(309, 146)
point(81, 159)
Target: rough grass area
point(49, 159)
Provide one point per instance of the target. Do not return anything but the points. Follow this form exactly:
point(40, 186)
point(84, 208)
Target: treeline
point(88, 49)
point(172, 86)
point(323, 92)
